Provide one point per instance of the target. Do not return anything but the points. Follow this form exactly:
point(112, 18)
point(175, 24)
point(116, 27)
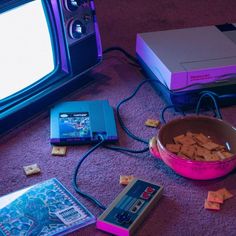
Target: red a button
point(149, 190)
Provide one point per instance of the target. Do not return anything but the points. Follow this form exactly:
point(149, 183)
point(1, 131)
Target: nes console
point(188, 61)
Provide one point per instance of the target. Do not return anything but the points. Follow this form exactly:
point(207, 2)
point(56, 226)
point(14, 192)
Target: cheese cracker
point(210, 146)
point(31, 169)
point(179, 138)
point(59, 150)
point(225, 193)
point(152, 123)
point(211, 157)
point(211, 205)
point(188, 151)
point(201, 138)
point(202, 152)
point(126, 179)
point(187, 140)
point(175, 148)
point(197, 146)
point(215, 197)
point(227, 154)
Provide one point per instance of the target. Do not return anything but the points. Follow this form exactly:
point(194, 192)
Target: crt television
point(46, 49)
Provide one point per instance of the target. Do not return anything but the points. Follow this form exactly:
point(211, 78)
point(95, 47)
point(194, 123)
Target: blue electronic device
point(79, 122)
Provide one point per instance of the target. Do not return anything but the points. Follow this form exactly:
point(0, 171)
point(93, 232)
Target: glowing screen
point(25, 48)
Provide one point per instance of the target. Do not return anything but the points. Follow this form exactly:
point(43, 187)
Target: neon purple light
point(112, 228)
point(60, 31)
point(98, 37)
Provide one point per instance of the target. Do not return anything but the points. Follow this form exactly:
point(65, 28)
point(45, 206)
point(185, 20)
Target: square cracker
point(212, 157)
point(214, 196)
point(202, 152)
point(220, 155)
point(225, 193)
point(201, 138)
point(211, 205)
point(188, 151)
point(184, 140)
point(175, 148)
point(59, 150)
point(31, 169)
point(210, 146)
point(126, 179)
point(227, 154)
point(152, 123)
point(177, 139)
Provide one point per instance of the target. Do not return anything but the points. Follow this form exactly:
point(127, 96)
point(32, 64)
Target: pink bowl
point(219, 131)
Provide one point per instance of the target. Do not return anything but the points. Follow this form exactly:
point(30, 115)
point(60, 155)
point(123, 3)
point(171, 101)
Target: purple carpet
point(181, 208)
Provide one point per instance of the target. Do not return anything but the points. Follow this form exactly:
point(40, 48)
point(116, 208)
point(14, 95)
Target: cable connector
point(99, 136)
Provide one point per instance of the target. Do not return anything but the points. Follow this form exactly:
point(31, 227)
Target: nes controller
point(130, 207)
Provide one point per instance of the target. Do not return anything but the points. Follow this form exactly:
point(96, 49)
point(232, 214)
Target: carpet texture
point(180, 211)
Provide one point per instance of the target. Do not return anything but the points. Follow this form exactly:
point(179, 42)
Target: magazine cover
point(46, 208)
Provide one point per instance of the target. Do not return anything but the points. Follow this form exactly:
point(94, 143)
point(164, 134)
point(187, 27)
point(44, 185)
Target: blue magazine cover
point(46, 208)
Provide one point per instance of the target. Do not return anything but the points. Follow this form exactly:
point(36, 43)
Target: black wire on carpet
point(214, 97)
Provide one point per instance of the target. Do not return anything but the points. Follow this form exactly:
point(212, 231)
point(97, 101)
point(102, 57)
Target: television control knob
point(72, 5)
point(76, 29)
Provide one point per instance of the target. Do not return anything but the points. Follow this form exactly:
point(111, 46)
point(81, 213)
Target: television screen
point(47, 47)
point(26, 49)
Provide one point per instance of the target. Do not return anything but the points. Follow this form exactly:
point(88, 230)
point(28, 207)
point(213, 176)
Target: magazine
point(46, 208)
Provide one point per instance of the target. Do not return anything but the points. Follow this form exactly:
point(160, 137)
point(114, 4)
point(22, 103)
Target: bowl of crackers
point(196, 147)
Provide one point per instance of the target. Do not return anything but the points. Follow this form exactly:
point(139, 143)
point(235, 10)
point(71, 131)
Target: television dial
point(76, 29)
point(73, 5)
